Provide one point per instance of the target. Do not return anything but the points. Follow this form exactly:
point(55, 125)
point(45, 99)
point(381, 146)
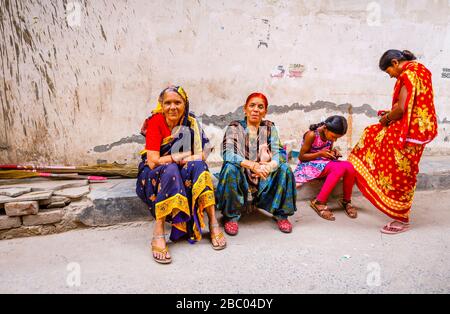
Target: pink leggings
point(333, 172)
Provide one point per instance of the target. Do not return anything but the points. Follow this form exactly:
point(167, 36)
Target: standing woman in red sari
point(387, 156)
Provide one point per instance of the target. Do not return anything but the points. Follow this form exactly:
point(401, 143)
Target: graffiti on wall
point(295, 70)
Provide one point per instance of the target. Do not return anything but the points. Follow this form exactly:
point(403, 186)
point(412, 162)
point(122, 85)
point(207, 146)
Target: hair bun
point(408, 55)
point(314, 127)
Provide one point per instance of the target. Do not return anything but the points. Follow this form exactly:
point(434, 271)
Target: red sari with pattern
point(386, 159)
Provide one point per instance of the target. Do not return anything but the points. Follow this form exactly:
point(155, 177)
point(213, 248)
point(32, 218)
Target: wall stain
point(136, 138)
point(222, 121)
point(350, 128)
point(103, 33)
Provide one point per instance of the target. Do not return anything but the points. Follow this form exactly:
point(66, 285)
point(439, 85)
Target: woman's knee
point(199, 164)
point(231, 168)
point(349, 167)
point(171, 170)
point(285, 168)
point(231, 174)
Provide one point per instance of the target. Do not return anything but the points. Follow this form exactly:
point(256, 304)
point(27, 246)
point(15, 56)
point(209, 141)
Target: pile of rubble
point(38, 207)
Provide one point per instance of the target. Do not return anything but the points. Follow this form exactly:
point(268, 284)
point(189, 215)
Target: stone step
point(46, 185)
point(14, 209)
point(33, 196)
point(116, 201)
point(14, 192)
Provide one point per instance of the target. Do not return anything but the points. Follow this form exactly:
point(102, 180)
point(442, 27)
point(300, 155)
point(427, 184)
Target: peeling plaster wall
point(77, 78)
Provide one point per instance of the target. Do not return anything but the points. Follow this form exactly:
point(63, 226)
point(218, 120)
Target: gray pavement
point(345, 256)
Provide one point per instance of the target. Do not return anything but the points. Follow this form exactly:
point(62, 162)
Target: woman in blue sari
point(174, 180)
point(255, 171)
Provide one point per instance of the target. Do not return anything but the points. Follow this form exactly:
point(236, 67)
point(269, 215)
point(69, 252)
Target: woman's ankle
point(321, 202)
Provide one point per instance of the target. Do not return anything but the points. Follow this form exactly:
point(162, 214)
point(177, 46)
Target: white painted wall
point(78, 75)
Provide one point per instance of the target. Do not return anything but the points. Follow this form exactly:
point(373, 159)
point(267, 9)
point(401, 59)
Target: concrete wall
point(77, 78)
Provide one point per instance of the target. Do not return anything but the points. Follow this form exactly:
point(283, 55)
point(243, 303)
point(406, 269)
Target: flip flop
point(217, 236)
point(390, 229)
point(164, 251)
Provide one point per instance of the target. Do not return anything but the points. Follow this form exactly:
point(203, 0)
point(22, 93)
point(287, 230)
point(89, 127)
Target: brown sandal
point(322, 212)
point(349, 209)
point(217, 236)
point(165, 250)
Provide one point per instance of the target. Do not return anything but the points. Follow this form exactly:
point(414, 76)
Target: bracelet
point(387, 118)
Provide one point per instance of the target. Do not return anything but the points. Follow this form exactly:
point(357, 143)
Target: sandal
point(231, 228)
point(325, 213)
point(349, 209)
point(216, 236)
point(391, 229)
point(165, 250)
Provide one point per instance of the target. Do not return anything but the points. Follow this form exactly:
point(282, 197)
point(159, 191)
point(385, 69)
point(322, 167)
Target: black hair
point(388, 56)
point(335, 124)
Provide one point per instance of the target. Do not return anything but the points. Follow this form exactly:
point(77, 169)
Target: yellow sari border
point(384, 208)
point(202, 198)
point(197, 136)
point(204, 180)
point(180, 226)
point(371, 182)
point(173, 204)
point(167, 140)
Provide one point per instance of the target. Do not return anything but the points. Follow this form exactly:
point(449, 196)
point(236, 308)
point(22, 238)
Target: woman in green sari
point(255, 171)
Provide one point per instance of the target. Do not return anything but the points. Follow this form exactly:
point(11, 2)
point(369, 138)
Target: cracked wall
point(77, 78)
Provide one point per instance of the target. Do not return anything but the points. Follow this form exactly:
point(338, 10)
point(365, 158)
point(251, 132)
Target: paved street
point(348, 256)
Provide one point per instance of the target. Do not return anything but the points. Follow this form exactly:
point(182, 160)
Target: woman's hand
point(385, 121)
point(187, 159)
point(260, 171)
point(179, 158)
point(328, 154)
point(337, 154)
point(271, 166)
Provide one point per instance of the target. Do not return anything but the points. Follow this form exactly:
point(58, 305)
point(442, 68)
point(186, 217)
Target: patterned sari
point(386, 159)
point(237, 188)
point(179, 194)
